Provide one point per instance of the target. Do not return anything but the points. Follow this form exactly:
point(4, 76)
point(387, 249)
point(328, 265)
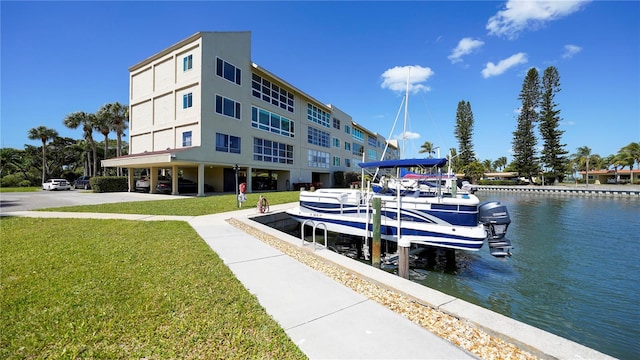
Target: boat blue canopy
point(400, 163)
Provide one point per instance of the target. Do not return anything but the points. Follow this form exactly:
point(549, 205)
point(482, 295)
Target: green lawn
point(190, 206)
point(20, 189)
point(122, 289)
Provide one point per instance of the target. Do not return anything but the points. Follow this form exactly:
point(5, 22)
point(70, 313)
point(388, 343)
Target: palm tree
point(502, 162)
point(118, 116)
point(43, 134)
point(103, 124)
point(581, 157)
point(88, 121)
point(427, 147)
point(632, 152)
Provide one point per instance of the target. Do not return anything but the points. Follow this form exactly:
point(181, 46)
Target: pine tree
point(553, 152)
point(524, 139)
point(464, 132)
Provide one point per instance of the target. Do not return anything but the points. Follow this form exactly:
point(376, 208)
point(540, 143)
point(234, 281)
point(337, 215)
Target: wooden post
point(375, 244)
point(403, 262)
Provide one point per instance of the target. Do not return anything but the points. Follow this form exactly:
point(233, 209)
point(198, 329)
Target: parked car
point(82, 183)
point(185, 186)
point(56, 184)
point(142, 184)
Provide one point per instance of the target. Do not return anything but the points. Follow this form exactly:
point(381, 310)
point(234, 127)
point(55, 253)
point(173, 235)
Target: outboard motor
point(495, 219)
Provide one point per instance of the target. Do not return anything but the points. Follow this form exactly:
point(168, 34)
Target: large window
point(227, 143)
point(271, 93)
point(187, 63)
point(268, 121)
point(372, 140)
point(318, 159)
point(272, 151)
point(357, 134)
point(357, 149)
point(318, 115)
point(372, 155)
point(186, 138)
point(227, 107)
point(187, 100)
point(318, 137)
point(228, 71)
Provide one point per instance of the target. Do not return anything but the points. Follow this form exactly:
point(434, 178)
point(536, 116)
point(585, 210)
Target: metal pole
point(237, 189)
point(375, 244)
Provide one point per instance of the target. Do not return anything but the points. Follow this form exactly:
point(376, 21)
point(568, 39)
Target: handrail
point(314, 233)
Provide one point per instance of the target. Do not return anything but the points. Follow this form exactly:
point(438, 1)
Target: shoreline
point(632, 191)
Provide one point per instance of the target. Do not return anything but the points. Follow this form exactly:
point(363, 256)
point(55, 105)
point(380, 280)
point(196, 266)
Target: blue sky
point(61, 57)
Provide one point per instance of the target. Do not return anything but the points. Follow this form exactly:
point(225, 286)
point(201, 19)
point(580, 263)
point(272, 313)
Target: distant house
point(613, 177)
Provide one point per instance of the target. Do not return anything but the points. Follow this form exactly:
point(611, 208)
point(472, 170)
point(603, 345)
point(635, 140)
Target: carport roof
point(162, 158)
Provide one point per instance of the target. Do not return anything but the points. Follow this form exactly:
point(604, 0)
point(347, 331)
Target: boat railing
point(314, 225)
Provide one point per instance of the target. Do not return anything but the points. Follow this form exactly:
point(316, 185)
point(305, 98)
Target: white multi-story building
point(202, 110)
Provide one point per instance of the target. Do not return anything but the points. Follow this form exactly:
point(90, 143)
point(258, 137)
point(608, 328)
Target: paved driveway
point(49, 199)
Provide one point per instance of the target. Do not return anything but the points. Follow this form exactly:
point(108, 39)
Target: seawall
point(582, 190)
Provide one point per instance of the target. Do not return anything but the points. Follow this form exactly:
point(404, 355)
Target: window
point(336, 123)
point(318, 159)
point(357, 134)
point(187, 100)
point(271, 93)
point(336, 161)
point(228, 71)
point(347, 129)
point(347, 162)
point(227, 107)
point(227, 143)
point(318, 116)
point(357, 149)
point(268, 121)
point(372, 155)
point(372, 141)
point(272, 151)
point(318, 137)
point(347, 146)
point(186, 138)
point(187, 63)
point(336, 142)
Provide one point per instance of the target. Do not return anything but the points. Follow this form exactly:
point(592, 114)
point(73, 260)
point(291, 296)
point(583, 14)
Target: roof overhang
point(164, 158)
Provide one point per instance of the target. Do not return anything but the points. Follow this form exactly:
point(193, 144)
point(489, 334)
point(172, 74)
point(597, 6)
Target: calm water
point(575, 269)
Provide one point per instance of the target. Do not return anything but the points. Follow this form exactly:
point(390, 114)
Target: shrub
point(102, 184)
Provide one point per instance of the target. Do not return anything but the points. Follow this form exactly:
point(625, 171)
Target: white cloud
point(408, 135)
point(570, 50)
point(395, 79)
point(492, 69)
point(521, 15)
point(465, 47)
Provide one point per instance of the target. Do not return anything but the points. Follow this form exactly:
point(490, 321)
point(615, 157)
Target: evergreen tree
point(553, 152)
point(464, 132)
point(524, 139)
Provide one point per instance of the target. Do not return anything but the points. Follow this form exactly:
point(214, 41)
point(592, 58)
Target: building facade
point(202, 110)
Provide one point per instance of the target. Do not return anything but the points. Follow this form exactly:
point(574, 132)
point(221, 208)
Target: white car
point(56, 184)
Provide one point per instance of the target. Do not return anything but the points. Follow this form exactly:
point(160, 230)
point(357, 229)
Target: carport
point(180, 160)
